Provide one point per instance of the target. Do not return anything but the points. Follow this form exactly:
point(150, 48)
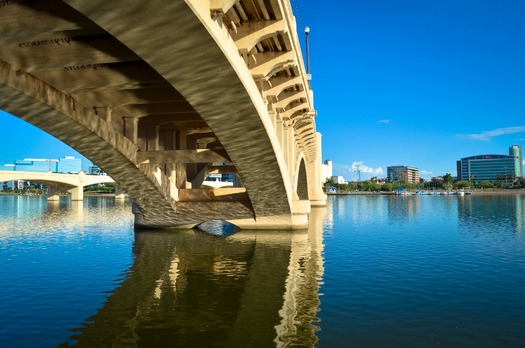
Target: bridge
point(75, 183)
point(160, 94)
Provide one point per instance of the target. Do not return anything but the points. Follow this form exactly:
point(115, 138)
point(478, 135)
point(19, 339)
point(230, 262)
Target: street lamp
point(306, 32)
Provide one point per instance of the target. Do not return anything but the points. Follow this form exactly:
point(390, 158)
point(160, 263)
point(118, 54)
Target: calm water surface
point(372, 271)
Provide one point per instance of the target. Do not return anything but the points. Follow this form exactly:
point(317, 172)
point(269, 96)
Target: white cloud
point(383, 121)
point(488, 135)
point(365, 172)
point(365, 169)
point(349, 172)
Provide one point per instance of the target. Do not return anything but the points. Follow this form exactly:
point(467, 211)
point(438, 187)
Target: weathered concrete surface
point(156, 93)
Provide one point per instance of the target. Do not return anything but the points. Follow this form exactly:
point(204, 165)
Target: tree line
point(448, 183)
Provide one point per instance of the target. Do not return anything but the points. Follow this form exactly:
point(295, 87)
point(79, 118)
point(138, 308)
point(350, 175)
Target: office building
point(492, 167)
point(517, 152)
point(402, 174)
point(67, 164)
point(338, 179)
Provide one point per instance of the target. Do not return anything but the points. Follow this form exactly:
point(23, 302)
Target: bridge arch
point(159, 112)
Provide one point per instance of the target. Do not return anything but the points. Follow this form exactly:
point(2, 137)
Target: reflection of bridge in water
point(74, 183)
point(251, 289)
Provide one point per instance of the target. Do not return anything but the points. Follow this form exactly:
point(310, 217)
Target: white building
point(338, 179)
point(326, 170)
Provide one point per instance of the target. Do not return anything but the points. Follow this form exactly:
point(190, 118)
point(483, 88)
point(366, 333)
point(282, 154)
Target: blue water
point(372, 271)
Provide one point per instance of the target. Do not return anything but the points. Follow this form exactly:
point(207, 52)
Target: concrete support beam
point(286, 98)
point(279, 84)
point(298, 107)
point(250, 34)
point(269, 63)
point(77, 193)
point(218, 7)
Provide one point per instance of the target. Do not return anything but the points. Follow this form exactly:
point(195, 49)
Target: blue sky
point(408, 82)
point(419, 83)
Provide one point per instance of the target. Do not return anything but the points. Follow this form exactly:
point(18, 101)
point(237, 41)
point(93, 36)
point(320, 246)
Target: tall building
point(67, 164)
point(402, 174)
point(517, 151)
point(492, 167)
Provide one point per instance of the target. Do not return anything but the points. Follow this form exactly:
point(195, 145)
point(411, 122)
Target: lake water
point(371, 271)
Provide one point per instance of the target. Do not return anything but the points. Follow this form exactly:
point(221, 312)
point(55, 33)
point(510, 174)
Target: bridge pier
point(77, 193)
point(227, 88)
point(53, 198)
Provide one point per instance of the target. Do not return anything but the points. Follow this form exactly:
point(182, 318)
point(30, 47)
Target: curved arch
point(93, 93)
point(301, 183)
point(56, 113)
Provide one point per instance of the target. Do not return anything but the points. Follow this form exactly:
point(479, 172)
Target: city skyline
point(405, 83)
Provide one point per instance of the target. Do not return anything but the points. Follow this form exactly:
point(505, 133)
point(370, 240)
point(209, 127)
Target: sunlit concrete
point(74, 183)
point(161, 94)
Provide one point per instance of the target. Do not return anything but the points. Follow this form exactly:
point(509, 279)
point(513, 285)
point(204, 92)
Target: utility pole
point(358, 172)
point(358, 176)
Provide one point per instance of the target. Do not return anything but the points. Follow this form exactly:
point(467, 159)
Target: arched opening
point(218, 228)
point(302, 181)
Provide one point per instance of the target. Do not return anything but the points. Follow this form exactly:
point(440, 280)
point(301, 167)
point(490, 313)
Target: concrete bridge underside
point(161, 93)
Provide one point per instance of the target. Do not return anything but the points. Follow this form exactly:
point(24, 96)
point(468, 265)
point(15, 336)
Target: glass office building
point(492, 167)
point(67, 164)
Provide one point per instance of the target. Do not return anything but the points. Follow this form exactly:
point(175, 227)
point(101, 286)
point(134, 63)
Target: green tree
point(374, 186)
point(329, 182)
point(447, 178)
point(343, 187)
point(462, 184)
point(486, 184)
point(387, 187)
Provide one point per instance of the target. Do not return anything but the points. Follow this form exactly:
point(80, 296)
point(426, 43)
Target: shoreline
point(438, 192)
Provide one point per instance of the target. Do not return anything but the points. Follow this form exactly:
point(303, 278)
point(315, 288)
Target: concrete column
point(171, 173)
point(291, 163)
point(315, 182)
point(170, 143)
point(77, 193)
point(131, 125)
point(279, 124)
point(286, 144)
point(288, 147)
point(104, 112)
point(180, 168)
point(273, 118)
point(154, 138)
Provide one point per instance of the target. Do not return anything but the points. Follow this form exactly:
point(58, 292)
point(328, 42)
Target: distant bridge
point(74, 182)
point(162, 93)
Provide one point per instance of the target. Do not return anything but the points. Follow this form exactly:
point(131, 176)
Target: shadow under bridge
point(160, 97)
